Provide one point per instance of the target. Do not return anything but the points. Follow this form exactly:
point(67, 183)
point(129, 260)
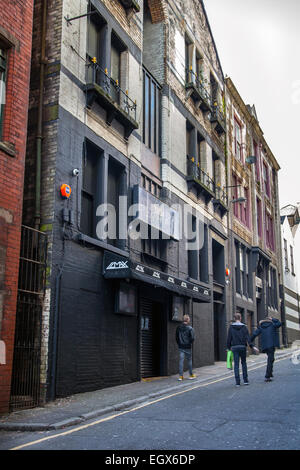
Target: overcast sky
point(258, 43)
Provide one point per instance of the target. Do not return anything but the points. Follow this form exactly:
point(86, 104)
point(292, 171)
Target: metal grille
point(25, 388)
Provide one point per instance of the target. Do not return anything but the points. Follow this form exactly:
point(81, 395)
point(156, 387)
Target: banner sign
point(156, 213)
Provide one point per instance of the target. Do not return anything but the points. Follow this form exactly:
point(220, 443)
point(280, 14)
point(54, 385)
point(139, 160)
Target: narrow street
point(214, 416)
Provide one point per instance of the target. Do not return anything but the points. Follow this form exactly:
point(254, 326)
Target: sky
point(258, 43)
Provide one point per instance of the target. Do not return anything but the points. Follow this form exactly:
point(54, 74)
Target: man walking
point(185, 337)
point(237, 339)
point(268, 329)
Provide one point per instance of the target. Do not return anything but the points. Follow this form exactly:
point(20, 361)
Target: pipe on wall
point(39, 136)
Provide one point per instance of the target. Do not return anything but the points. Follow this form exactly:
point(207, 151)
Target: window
point(237, 268)
point(153, 245)
point(189, 52)
point(214, 90)
point(115, 69)
point(151, 186)
point(2, 87)
point(235, 195)
point(203, 257)
point(199, 66)
point(103, 182)
point(90, 168)
point(246, 208)
point(270, 242)
point(249, 274)
point(243, 271)
point(286, 257)
point(151, 128)
point(238, 139)
point(292, 259)
point(266, 179)
point(272, 288)
point(114, 183)
point(190, 132)
point(107, 48)
point(259, 217)
point(257, 163)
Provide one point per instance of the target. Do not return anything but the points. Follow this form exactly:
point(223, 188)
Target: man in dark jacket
point(184, 338)
point(237, 339)
point(268, 329)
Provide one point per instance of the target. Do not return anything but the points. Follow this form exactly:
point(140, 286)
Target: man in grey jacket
point(185, 337)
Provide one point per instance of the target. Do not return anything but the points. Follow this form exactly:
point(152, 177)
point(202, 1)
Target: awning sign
point(116, 267)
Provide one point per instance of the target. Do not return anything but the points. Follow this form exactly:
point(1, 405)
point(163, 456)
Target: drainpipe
point(39, 136)
point(55, 334)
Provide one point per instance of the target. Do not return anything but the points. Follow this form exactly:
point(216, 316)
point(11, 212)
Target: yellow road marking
point(109, 418)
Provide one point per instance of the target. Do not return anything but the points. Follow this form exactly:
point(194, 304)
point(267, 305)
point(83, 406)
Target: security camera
point(75, 172)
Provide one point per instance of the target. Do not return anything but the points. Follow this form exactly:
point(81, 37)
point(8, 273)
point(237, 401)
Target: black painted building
point(119, 127)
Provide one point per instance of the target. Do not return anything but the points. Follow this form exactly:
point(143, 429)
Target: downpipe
point(39, 136)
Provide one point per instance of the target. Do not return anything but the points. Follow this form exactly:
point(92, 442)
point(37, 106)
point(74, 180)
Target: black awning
point(116, 267)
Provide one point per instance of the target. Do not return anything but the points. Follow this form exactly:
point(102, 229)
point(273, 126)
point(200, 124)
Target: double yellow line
point(122, 413)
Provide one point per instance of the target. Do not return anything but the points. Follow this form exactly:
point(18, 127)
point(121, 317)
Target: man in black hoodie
point(184, 338)
point(237, 339)
point(268, 329)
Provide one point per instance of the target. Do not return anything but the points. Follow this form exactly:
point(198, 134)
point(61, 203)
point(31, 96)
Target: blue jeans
point(239, 352)
point(188, 354)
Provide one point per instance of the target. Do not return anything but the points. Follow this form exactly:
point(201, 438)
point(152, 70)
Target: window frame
point(151, 113)
point(3, 72)
point(266, 179)
point(259, 217)
point(238, 145)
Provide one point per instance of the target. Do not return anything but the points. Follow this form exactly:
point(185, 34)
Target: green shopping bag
point(229, 359)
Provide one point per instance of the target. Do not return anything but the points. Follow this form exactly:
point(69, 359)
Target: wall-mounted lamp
point(251, 159)
point(239, 199)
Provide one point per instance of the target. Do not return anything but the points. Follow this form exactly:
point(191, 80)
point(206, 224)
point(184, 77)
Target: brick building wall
point(15, 38)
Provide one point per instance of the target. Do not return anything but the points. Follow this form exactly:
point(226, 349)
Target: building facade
point(15, 56)
point(290, 218)
point(255, 240)
point(126, 179)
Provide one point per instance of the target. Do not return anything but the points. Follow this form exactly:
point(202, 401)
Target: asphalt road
point(215, 416)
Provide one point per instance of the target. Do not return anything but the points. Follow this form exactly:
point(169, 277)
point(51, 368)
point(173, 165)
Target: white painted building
point(290, 233)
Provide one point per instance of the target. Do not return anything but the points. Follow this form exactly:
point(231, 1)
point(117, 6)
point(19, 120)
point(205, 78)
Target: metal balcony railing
point(221, 196)
point(218, 116)
point(195, 82)
point(112, 88)
point(199, 174)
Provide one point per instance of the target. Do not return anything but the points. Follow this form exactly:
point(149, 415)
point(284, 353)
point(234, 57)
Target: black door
point(151, 335)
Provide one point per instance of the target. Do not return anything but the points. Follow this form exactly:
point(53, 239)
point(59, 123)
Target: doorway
point(220, 333)
point(151, 338)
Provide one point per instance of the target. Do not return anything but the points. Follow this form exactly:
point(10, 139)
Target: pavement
point(77, 409)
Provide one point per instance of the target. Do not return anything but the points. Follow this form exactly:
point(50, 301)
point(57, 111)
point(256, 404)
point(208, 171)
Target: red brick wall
point(16, 35)
point(157, 10)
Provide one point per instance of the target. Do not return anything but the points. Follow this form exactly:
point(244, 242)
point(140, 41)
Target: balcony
point(107, 93)
point(130, 4)
point(196, 89)
point(221, 200)
point(218, 118)
point(200, 180)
